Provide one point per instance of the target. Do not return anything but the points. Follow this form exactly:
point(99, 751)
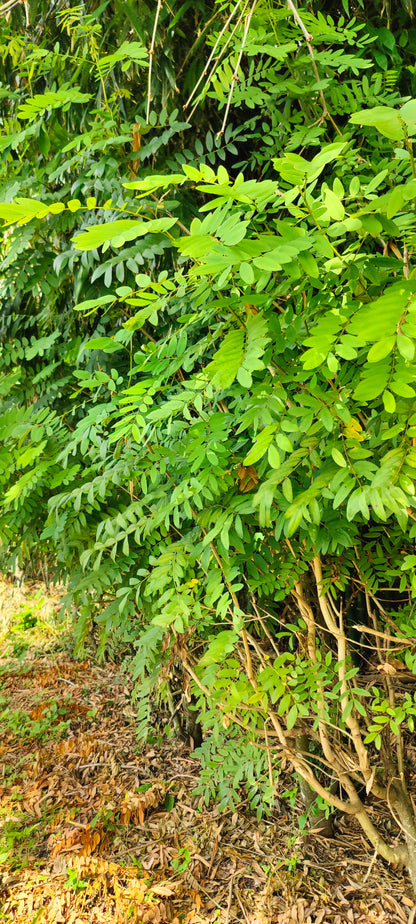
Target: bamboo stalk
point(219, 37)
point(6, 7)
point(235, 74)
point(218, 58)
point(151, 52)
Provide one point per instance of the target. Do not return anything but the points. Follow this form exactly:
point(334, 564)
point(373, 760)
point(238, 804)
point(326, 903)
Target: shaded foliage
point(208, 417)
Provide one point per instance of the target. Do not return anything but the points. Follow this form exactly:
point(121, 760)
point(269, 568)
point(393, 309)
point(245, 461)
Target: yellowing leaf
point(353, 430)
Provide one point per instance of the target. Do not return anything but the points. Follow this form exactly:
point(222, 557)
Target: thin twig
point(308, 39)
point(237, 67)
point(269, 756)
point(248, 664)
point(373, 860)
point(405, 262)
point(218, 59)
point(337, 631)
point(382, 655)
point(151, 51)
point(264, 627)
point(241, 906)
point(6, 7)
point(195, 44)
point(230, 897)
point(219, 37)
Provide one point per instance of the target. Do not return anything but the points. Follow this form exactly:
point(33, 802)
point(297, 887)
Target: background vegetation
point(208, 416)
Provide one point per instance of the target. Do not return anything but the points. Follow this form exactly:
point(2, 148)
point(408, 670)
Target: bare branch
point(237, 67)
point(218, 39)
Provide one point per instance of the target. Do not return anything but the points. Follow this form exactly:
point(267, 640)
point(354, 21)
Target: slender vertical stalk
point(217, 41)
point(151, 52)
point(308, 39)
point(237, 67)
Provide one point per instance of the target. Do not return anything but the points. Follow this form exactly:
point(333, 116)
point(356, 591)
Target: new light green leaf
point(36, 105)
point(380, 319)
point(104, 343)
point(374, 381)
point(405, 346)
point(128, 51)
point(389, 402)
point(273, 457)
point(91, 303)
point(408, 114)
point(385, 119)
point(120, 231)
point(246, 273)
point(153, 182)
point(333, 205)
point(261, 444)
point(338, 458)
point(221, 645)
point(22, 210)
point(292, 167)
point(381, 349)
point(296, 169)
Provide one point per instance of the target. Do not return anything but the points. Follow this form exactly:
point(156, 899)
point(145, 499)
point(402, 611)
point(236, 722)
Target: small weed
point(27, 620)
point(104, 816)
point(18, 842)
point(19, 650)
point(20, 723)
point(74, 882)
point(182, 861)
point(291, 795)
point(291, 862)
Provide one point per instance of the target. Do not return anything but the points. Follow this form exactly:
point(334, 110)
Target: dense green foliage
point(208, 416)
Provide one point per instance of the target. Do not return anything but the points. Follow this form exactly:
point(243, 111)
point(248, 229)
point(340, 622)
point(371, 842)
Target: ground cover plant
point(95, 829)
point(208, 414)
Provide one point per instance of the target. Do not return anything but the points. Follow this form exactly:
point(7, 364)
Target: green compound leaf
point(120, 231)
point(385, 119)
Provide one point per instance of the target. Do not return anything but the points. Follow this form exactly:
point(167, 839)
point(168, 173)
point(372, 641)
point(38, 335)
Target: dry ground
point(96, 830)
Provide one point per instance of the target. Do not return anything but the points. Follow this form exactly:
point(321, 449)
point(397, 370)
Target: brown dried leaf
point(248, 477)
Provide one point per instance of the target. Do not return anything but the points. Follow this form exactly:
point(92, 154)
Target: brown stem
point(401, 803)
point(308, 40)
point(308, 616)
point(269, 755)
point(338, 633)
